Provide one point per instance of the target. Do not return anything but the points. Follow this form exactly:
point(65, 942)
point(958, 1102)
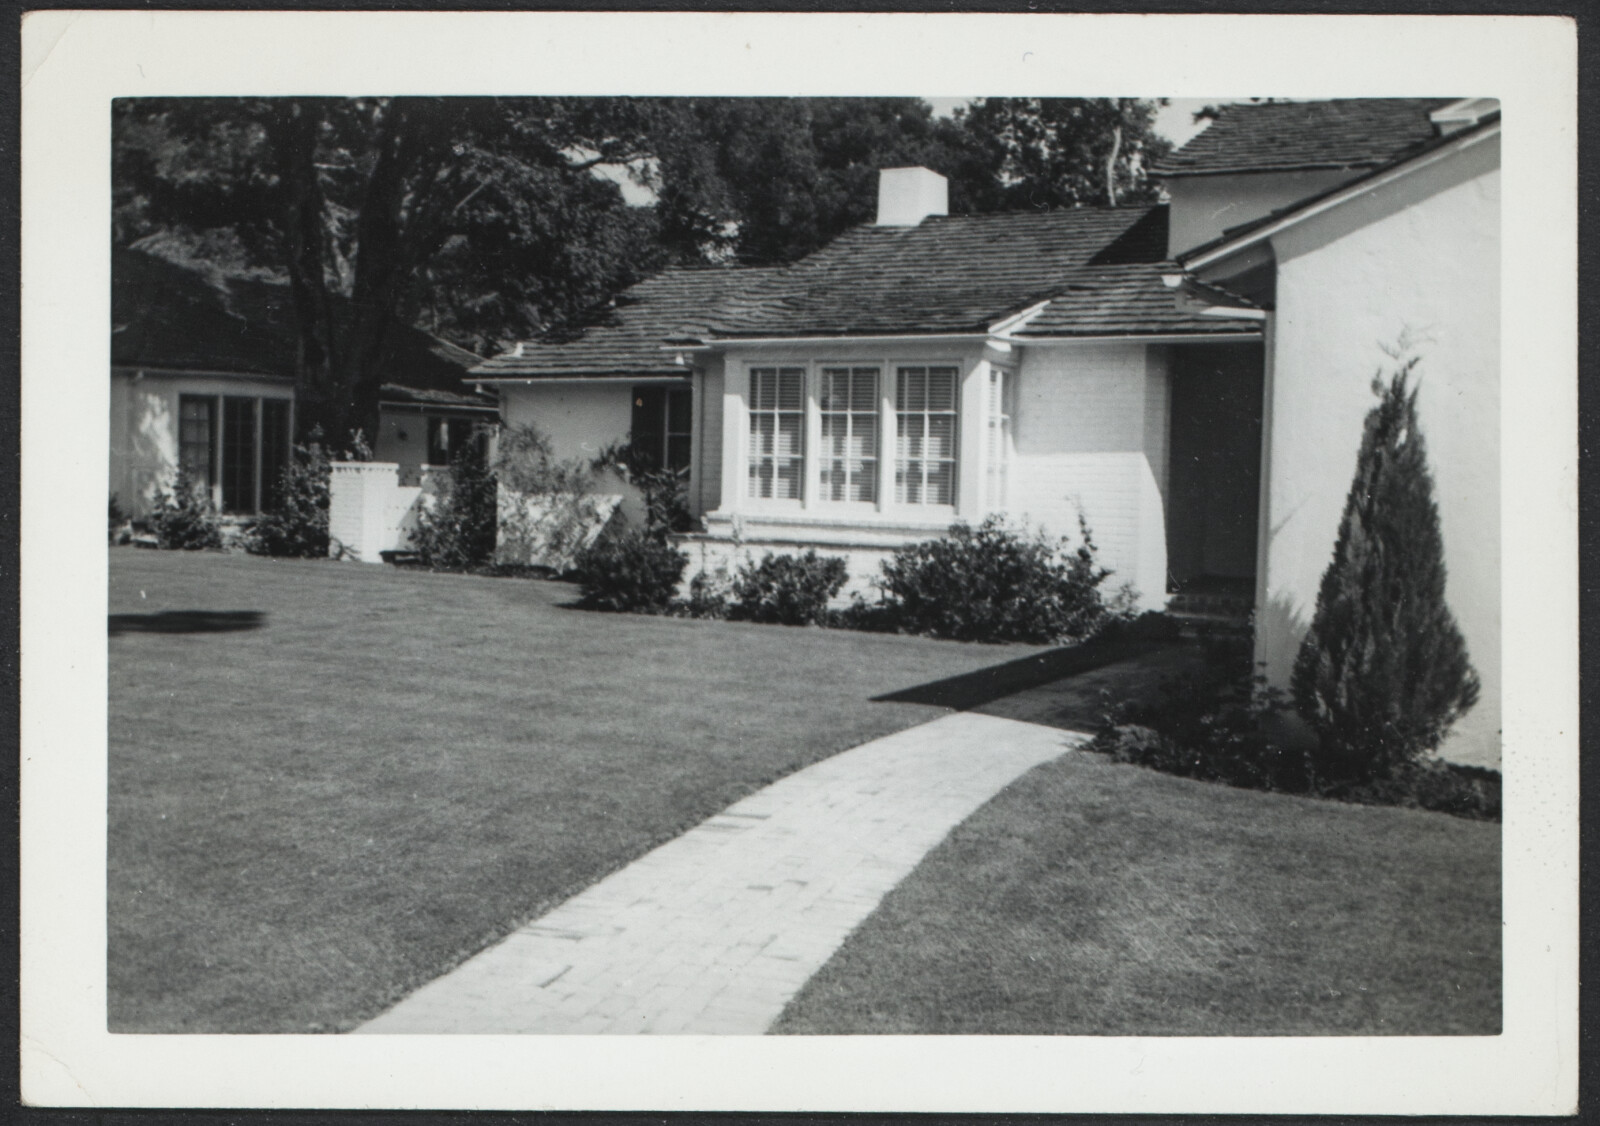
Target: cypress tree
point(1383, 672)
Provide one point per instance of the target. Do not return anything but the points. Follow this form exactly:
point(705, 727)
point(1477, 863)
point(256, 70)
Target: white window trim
point(884, 506)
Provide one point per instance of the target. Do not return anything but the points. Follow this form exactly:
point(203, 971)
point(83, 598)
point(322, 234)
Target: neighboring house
point(1191, 377)
point(203, 375)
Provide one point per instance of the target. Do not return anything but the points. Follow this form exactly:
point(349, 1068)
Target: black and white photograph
point(609, 570)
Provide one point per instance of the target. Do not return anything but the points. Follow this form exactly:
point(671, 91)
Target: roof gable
point(1291, 136)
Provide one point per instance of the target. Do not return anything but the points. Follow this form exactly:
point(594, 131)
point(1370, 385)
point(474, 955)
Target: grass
point(331, 782)
point(1092, 898)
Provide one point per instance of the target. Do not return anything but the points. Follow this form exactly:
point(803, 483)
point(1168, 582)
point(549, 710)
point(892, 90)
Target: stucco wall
point(1202, 207)
point(579, 419)
point(1089, 425)
point(144, 427)
point(1419, 259)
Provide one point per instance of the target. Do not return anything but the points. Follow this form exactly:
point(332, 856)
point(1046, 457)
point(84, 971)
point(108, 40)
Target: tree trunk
point(294, 125)
point(1111, 166)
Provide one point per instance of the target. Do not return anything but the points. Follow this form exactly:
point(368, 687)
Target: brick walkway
point(713, 932)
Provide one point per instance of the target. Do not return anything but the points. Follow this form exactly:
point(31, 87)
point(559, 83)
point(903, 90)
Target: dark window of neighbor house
point(662, 427)
point(275, 440)
point(197, 444)
point(447, 437)
point(234, 448)
point(240, 452)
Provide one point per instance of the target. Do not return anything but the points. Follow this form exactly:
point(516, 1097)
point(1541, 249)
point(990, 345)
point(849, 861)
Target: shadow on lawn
point(975, 689)
point(185, 621)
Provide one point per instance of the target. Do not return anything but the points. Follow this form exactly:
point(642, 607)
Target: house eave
point(724, 342)
point(200, 373)
point(1143, 337)
point(580, 377)
point(1227, 248)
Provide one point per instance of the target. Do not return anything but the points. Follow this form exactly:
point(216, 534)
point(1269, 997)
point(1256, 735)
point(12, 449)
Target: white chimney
point(907, 196)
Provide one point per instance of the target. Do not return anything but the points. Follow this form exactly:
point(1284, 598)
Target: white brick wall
point(369, 511)
point(1090, 430)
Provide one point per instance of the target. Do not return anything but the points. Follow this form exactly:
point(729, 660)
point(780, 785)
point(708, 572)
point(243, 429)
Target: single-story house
point(203, 375)
point(1191, 376)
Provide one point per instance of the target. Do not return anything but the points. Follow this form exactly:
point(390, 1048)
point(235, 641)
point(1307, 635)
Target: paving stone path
point(716, 930)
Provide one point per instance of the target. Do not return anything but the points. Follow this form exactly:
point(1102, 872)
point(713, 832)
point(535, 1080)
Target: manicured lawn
point(1094, 899)
point(330, 782)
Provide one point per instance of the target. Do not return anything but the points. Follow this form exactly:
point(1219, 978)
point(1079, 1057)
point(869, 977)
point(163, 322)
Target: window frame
point(217, 407)
point(813, 456)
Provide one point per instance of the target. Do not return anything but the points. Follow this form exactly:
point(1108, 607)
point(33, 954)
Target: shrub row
point(990, 583)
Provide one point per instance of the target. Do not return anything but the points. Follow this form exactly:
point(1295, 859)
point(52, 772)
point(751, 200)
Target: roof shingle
point(1130, 300)
point(168, 316)
point(947, 274)
point(1285, 136)
point(630, 341)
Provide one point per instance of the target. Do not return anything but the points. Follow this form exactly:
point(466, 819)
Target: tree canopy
point(482, 219)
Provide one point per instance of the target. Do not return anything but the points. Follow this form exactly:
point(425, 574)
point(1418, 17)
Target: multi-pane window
point(925, 434)
point(777, 432)
point(848, 401)
point(197, 447)
point(449, 438)
point(998, 438)
point(663, 426)
point(233, 448)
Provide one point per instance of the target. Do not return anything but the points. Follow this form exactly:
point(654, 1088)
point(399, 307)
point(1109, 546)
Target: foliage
point(1212, 725)
point(709, 592)
point(996, 583)
point(296, 524)
point(631, 570)
point(547, 507)
point(183, 519)
point(117, 522)
point(1383, 672)
point(791, 590)
point(1033, 153)
point(457, 533)
point(769, 180)
point(472, 217)
point(1219, 723)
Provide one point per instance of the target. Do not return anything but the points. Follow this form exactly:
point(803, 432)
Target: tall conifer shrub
point(1383, 673)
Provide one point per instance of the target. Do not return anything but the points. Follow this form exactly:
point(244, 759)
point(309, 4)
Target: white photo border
point(75, 62)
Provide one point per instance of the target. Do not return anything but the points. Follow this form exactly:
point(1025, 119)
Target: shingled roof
point(1132, 300)
point(948, 274)
point(629, 341)
point(172, 317)
point(1290, 136)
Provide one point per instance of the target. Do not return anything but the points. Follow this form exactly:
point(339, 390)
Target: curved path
point(716, 930)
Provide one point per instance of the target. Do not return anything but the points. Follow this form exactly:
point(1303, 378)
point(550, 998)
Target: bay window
point(848, 403)
point(853, 433)
point(925, 417)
